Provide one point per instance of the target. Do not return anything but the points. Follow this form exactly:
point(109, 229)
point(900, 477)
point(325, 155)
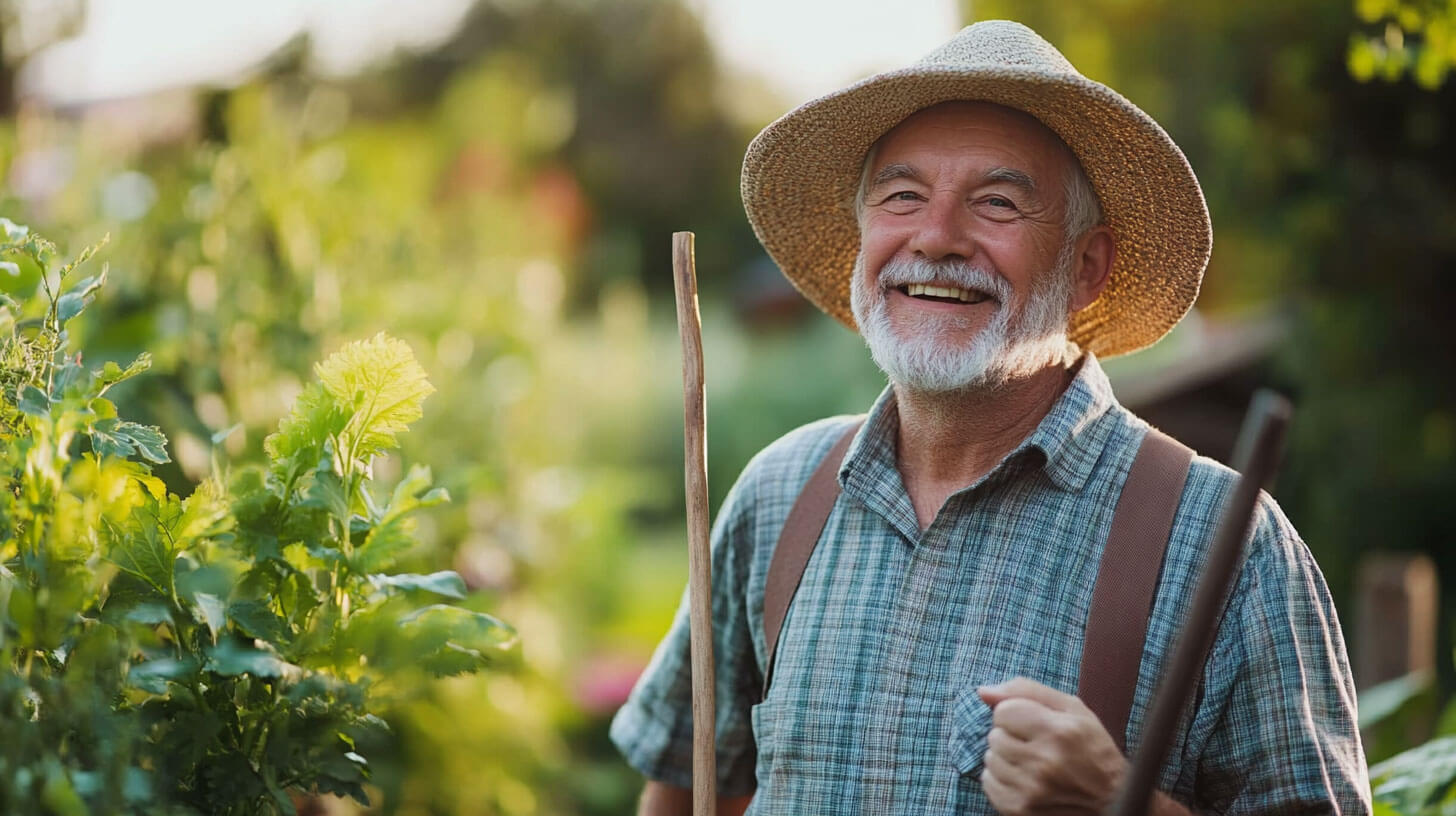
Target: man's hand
point(1047, 752)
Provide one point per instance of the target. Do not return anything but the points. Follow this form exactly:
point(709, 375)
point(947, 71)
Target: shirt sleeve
point(654, 728)
point(1285, 738)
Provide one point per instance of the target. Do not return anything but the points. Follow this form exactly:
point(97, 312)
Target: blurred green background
point(501, 194)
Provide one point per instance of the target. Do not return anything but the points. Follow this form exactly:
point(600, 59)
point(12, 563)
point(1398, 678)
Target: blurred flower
point(604, 681)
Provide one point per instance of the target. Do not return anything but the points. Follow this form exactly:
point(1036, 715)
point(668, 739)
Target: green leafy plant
point(226, 652)
point(1420, 780)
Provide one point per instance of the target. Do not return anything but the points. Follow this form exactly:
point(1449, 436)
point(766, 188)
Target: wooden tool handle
point(695, 475)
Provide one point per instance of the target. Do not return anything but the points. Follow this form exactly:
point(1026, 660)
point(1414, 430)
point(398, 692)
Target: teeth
point(963, 295)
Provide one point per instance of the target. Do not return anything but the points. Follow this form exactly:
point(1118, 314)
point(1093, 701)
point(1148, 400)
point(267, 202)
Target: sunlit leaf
point(295, 446)
point(204, 514)
point(1412, 780)
point(452, 640)
point(13, 231)
point(209, 609)
point(111, 373)
point(382, 387)
point(445, 582)
point(230, 658)
point(34, 401)
point(119, 438)
point(384, 545)
point(69, 305)
point(143, 551)
point(153, 675)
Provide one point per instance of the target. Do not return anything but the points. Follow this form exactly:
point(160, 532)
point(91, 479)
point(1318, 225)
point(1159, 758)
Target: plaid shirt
point(873, 706)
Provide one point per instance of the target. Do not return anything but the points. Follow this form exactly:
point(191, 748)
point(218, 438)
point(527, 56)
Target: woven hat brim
point(801, 173)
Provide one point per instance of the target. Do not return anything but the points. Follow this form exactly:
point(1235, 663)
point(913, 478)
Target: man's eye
point(998, 201)
point(902, 195)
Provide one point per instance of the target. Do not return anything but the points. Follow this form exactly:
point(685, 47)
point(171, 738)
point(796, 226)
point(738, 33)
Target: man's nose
point(944, 231)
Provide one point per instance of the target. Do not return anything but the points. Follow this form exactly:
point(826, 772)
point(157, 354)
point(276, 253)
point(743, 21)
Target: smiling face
point(965, 276)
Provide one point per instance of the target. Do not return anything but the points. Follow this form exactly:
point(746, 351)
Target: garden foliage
point(1409, 781)
point(222, 653)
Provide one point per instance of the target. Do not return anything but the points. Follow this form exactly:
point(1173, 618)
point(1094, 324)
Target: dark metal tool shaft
point(1257, 456)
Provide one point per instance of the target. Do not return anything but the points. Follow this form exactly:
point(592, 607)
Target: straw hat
point(802, 172)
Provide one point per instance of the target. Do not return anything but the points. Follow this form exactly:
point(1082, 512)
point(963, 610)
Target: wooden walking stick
point(695, 479)
point(1256, 456)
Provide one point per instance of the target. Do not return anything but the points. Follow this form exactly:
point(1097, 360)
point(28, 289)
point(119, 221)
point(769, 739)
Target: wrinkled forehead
point(956, 125)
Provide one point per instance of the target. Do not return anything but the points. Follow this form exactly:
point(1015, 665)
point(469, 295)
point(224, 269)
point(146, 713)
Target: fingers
point(1023, 687)
point(1004, 798)
point(1007, 748)
point(1025, 719)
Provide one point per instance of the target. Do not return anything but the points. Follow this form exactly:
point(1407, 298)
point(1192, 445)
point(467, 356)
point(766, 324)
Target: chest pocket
point(970, 721)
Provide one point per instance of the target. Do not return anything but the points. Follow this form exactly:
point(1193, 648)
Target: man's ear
point(1096, 251)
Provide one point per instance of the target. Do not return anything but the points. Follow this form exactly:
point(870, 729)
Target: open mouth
point(943, 294)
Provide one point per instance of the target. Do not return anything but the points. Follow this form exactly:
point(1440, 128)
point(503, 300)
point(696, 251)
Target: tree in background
point(497, 222)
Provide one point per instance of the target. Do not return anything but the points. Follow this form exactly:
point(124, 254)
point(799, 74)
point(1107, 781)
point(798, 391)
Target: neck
point(948, 440)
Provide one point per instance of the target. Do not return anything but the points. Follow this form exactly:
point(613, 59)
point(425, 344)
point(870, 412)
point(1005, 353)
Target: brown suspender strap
point(1122, 599)
point(796, 543)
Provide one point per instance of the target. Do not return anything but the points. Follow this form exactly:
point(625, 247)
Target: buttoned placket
point(906, 653)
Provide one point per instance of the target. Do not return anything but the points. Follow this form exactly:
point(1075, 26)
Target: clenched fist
point(1047, 753)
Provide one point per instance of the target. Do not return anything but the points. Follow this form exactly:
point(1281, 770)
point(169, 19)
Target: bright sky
point(804, 48)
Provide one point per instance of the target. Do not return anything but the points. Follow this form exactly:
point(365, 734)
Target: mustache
point(899, 272)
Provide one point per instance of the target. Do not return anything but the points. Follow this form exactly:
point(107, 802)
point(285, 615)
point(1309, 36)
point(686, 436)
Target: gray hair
point(1083, 213)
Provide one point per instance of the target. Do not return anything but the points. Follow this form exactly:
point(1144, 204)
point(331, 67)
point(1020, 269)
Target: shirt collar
point(1069, 438)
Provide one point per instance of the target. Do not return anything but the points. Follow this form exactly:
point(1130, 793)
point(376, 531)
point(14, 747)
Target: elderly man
point(991, 221)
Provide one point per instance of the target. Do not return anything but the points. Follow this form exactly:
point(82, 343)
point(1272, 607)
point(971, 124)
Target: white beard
point(922, 358)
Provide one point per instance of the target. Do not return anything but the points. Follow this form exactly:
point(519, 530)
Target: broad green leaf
point(119, 438)
point(394, 534)
point(1411, 780)
point(230, 658)
point(328, 493)
point(383, 546)
point(149, 613)
point(382, 387)
point(88, 286)
point(204, 514)
point(111, 373)
point(1381, 701)
point(1446, 723)
point(452, 640)
point(34, 401)
point(342, 775)
point(69, 374)
point(69, 305)
point(149, 441)
point(413, 492)
point(295, 446)
point(445, 582)
point(209, 609)
point(256, 619)
point(13, 232)
point(143, 551)
point(153, 675)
